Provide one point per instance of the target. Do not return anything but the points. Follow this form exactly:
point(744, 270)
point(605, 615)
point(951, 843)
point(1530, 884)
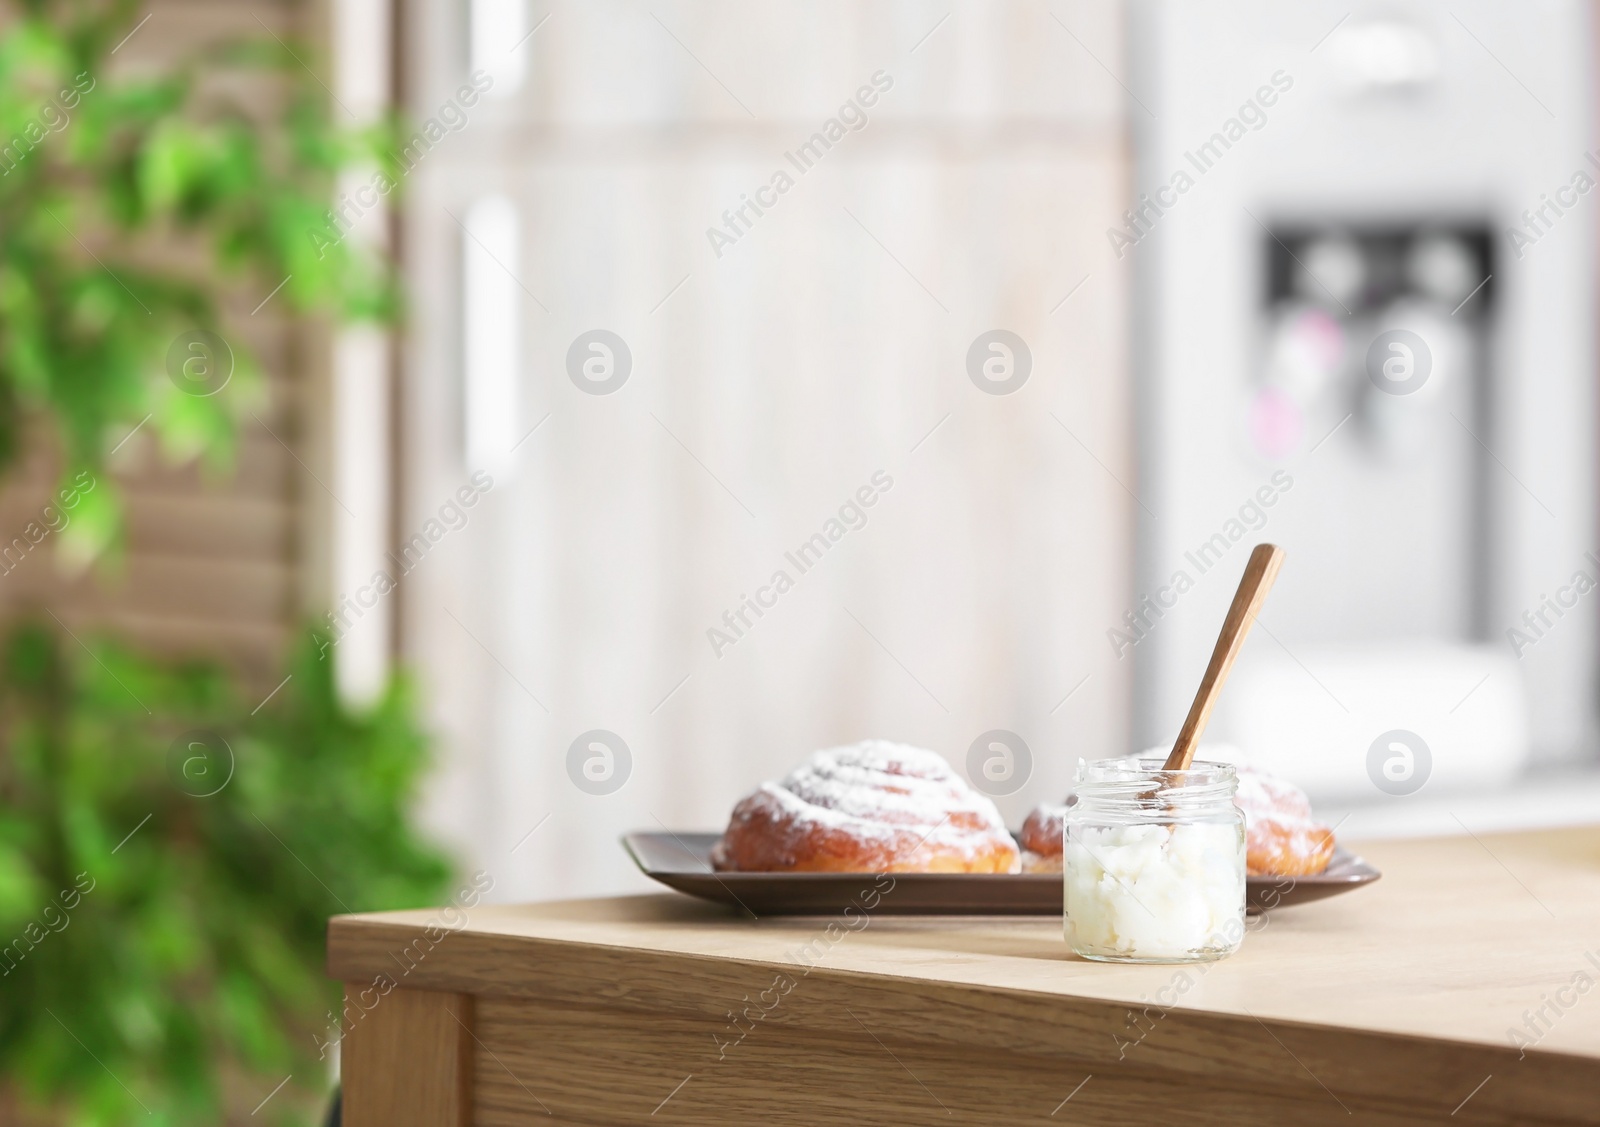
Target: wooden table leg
point(406, 1058)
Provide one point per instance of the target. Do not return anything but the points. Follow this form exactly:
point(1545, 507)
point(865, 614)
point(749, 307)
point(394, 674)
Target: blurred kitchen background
point(1320, 274)
point(757, 379)
point(1199, 219)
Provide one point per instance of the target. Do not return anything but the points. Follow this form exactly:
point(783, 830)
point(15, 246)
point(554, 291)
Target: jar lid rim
point(1146, 780)
point(1135, 766)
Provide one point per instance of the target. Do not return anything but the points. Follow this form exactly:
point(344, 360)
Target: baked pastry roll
point(872, 807)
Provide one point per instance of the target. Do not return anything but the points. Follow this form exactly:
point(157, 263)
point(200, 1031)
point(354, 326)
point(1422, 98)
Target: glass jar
point(1154, 863)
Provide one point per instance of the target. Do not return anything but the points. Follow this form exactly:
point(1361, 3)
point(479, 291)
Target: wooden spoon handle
point(1253, 587)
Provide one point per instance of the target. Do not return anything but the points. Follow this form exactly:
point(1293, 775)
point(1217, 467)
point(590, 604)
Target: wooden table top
point(1462, 940)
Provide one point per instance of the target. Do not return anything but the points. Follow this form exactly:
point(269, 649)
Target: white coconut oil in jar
point(1154, 863)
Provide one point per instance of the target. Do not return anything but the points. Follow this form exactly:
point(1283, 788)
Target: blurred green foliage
point(128, 200)
point(168, 864)
point(161, 944)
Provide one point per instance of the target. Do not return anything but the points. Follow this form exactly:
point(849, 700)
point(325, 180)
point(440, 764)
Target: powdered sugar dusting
point(878, 789)
point(893, 799)
point(1261, 794)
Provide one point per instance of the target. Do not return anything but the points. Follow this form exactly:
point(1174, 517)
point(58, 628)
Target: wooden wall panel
point(769, 382)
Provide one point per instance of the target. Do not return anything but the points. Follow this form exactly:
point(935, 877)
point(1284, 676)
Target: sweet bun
point(1281, 838)
point(1043, 838)
point(872, 807)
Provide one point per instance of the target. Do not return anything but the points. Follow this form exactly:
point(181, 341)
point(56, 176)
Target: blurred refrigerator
point(1362, 244)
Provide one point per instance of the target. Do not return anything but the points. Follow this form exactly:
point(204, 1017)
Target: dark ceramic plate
point(682, 861)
